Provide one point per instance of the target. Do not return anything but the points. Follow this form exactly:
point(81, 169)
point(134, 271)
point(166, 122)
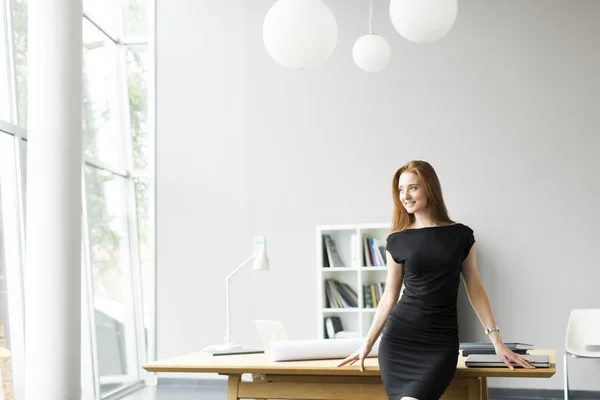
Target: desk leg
point(464, 389)
point(233, 384)
point(484, 388)
point(259, 378)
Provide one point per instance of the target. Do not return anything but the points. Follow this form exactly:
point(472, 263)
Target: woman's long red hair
point(428, 179)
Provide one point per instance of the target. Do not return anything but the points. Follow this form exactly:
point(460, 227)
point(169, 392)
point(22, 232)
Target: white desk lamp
point(261, 263)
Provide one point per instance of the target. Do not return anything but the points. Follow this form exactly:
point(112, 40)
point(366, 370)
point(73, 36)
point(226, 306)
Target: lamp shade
point(261, 261)
point(371, 52)
point(423, 21)
point(300, 34)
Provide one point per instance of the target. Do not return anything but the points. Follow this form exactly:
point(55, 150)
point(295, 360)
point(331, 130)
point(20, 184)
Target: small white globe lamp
point(300, 34)
point(423, 21)
point(371, 52)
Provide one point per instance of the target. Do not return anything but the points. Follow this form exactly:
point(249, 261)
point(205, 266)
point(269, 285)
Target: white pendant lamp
point(423, 21)
point(371, 52)
point(300, 34)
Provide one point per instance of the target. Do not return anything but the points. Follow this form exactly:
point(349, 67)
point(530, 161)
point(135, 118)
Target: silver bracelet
point(492, 329)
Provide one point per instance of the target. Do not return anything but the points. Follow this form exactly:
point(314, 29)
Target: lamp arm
point(227, 279)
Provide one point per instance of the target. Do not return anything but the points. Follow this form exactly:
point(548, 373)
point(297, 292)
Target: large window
point(117, 246)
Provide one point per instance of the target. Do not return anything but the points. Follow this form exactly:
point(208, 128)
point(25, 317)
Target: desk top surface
point(259, 364)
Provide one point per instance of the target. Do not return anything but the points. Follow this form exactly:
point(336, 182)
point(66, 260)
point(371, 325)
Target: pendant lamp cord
point(370, 17)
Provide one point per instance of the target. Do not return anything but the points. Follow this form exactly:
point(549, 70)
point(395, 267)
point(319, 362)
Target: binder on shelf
point(333, 325)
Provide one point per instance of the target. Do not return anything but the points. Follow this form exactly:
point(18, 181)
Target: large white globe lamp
point(300, 34)
point(371, 52)
point(423, 21)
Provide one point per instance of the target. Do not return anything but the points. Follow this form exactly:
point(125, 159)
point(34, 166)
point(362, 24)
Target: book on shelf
point(333, 325)
point(331, 255)
point(373, 252)
point(339, 295)
point(372, 293)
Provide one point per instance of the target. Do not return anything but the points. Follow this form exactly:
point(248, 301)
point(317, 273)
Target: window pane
point(135, 17)
point(137, 78)
point(4, 92)
point(102, 137)
point(9, 228)
point(146, 256)
point(24, 176)
point(19, 32)
point(111, 278)
point(104, 13)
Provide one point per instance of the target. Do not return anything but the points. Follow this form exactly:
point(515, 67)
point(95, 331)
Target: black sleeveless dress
point(418, 350)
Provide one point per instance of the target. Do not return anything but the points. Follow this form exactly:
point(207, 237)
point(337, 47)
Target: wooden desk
point(322, 380)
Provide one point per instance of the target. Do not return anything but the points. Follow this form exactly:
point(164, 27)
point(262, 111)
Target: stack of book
point(339, 295)
point(483, 354)
point(488, 348)
point(372, 293)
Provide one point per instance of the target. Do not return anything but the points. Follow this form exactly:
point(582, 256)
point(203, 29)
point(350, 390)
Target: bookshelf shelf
point(351, 269)
point(340, 269)
point(374, 269)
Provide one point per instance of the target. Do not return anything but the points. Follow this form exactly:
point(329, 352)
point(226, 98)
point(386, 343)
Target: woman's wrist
point(495, 339)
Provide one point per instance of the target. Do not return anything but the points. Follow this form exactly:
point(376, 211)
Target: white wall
point(505, 108)
point(199, 163)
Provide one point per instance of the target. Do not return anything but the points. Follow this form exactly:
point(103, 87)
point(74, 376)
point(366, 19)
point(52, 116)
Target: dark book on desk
point(489, 346)
point(469, 348)
point(492, 360)
point(467, 352)
point(231, 352)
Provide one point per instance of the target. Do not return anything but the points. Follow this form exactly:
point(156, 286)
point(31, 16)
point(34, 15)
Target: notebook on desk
point(467, 352)
point(469, 348)
point(270, 331)
point(492, 360)
point(473, 346)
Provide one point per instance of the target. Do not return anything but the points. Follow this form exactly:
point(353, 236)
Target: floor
point(203, 393)
point(177, 393)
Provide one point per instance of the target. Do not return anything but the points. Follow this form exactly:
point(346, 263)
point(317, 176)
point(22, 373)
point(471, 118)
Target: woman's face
point(411, 193)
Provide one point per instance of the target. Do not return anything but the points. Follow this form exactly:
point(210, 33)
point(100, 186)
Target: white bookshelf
point(354, 272)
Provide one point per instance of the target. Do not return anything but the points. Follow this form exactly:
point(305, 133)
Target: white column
point(53, 231)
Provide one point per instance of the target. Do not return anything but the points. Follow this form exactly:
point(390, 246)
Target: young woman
point(428, 252)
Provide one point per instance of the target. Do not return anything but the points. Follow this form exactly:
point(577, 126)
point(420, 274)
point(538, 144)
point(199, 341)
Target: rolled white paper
point(316, 349)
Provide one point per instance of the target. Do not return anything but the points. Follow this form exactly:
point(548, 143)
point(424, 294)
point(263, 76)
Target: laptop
point(269, 331)
point(492, 360)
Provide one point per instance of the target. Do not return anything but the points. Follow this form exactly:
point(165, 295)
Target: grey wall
point(505, 107)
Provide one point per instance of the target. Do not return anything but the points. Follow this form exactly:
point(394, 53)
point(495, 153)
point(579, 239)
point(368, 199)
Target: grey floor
point(177, 393)
point(203, 393)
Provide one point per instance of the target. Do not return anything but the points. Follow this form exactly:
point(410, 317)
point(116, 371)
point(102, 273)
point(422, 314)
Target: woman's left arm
point(481, 305)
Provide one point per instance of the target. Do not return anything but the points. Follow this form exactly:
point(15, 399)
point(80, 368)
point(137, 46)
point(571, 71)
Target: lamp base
point(229, 349)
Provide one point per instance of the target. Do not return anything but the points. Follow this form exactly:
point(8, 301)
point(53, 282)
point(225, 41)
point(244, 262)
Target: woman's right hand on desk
point(358, 355)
